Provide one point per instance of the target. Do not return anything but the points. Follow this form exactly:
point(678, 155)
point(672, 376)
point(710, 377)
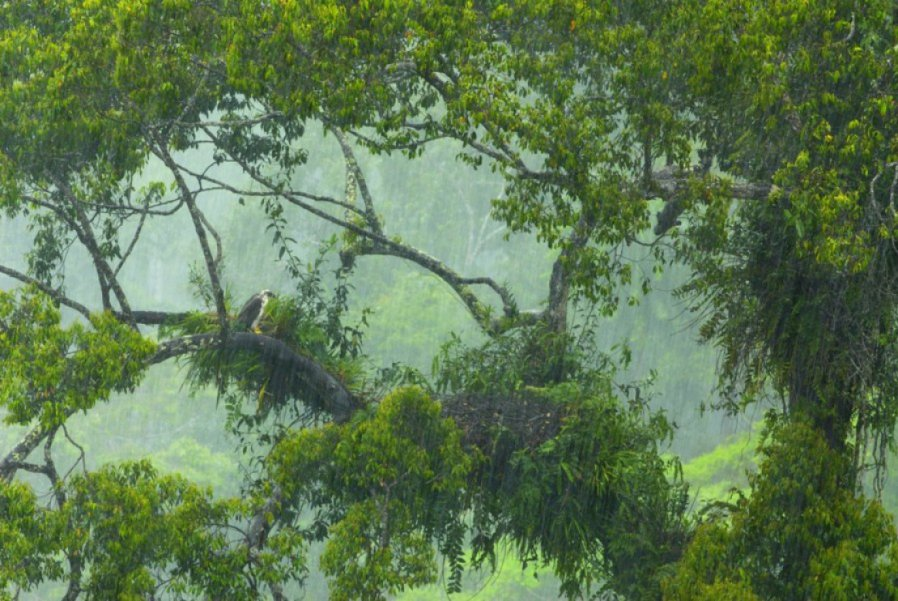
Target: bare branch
point(133, 243)
point(84, 231)
point(414, 145)
point(216, 237)
point(127, 210)
point(27, 466)
point(250, 121)
point(50, 468)
point(189, 104)
point(380, 244)
point(154, 318)
point(82, 456)
point(224, 186)
point(459, 285)
point(196, 215)
point(48, 290)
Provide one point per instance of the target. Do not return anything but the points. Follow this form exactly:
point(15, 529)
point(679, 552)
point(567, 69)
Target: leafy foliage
point(48, 372)
point(28, 540)
point(139, 534)
point(593, 502)
point(385, 485)
point(382, 487)
point(799, 290)
point(135, 533)
point(799, 533)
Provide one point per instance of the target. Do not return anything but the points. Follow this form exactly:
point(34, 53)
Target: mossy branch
point(325, 391)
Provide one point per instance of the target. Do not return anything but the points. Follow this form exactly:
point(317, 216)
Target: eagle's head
point(264, 296)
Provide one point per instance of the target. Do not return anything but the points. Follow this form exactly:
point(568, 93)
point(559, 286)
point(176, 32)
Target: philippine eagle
point(250, 315)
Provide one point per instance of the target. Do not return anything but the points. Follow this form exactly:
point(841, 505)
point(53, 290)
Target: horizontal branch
point(670, 184)
point(141, 317)
point(334, 397)
point(155, 318)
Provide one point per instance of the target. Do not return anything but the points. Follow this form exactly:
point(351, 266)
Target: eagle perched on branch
point(250, 315)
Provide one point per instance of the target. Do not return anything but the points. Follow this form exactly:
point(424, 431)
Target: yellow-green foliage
point(800, 534)
point(395, 474)
point(26, 547)
point(714, 475)
point(575, 104)
point(132, 527)
point(48, 371)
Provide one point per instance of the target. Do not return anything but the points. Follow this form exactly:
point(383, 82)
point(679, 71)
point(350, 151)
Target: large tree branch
point(670, 184)
point(155, 318)
point(325, 390)
point(461, 285)
point(670, 181)
point(73, 556)
point(355, 177)
point(382, 245)
point(15, 459)
point(554, 316)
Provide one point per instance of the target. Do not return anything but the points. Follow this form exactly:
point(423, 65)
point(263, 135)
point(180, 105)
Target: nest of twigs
point(520, 420)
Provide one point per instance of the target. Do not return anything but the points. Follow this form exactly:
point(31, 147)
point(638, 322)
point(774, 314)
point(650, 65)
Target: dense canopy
point(752, 145)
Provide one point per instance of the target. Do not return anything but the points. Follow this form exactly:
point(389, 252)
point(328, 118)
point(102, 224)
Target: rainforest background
point(578, 299)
